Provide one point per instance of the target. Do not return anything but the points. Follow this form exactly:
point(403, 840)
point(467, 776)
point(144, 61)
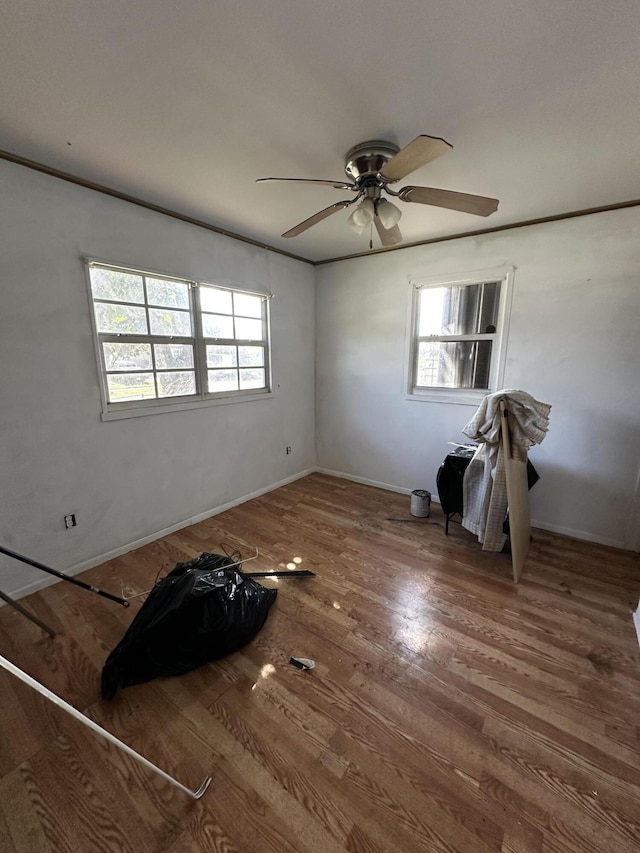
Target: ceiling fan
point(373, 167)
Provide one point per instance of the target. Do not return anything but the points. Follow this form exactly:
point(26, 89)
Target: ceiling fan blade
point(338, 185)
point(317, 217)
point(388, 236)
point(479, 205)
point(418, 153)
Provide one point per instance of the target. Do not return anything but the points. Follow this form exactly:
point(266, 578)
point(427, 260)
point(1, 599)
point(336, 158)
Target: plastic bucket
point(420, 503)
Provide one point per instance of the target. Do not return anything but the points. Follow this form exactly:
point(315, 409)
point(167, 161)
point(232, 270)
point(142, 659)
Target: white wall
point(573, 342)
point(126, 480)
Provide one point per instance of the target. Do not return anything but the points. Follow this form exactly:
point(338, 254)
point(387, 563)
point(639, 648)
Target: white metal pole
point(14, 670)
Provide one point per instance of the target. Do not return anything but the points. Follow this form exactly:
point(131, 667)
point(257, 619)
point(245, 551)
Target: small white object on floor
point(303, 663)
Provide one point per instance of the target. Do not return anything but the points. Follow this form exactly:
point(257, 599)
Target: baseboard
point(364, 480)
point(579, 534)
point(139, 543)
point(542, 525)
point(48, 580)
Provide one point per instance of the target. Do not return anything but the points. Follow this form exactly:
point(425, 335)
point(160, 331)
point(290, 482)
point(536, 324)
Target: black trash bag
point(201, 611)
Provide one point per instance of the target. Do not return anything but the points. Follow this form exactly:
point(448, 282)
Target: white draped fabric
point(484, 485)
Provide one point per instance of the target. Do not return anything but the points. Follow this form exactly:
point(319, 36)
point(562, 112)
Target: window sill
point(165, 408)
point(456, 396)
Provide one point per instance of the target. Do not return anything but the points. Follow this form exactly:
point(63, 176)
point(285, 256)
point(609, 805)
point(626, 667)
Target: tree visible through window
point(165, 339)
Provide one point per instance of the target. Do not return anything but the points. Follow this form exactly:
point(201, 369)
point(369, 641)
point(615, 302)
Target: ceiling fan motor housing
point(364, 161)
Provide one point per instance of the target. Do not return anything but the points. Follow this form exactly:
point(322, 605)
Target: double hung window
point(457, 338)
point(166, 341)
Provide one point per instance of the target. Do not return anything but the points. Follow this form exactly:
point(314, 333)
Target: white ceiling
point(184, 103)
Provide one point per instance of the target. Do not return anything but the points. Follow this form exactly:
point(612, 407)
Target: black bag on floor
point(201, 611)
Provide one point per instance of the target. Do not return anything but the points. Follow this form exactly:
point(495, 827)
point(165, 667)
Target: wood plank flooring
point(449, 710)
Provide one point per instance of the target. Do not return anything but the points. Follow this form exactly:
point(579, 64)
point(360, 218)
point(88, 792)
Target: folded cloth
point(484, 485)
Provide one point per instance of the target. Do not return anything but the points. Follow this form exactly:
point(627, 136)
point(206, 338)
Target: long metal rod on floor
point(25, 612)
point(61, 575)
point(40, 688)
point(300, 573)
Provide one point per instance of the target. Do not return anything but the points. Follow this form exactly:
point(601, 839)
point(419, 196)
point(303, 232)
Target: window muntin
point(455, 335)
point(162, 339)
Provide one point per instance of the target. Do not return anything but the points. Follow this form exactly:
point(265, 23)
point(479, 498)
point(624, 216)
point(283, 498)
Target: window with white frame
point(163, 340)
point(457, 338)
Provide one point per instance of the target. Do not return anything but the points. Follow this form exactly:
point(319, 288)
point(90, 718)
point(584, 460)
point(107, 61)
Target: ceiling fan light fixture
point(360, 230)
point(388, 213)
point(362, 216)
point(372, 167)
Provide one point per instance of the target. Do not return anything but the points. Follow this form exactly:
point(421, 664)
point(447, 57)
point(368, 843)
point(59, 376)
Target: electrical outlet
point(288, 451)
point(70, 520)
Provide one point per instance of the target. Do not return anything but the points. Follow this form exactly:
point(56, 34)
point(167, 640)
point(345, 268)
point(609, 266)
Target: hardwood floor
point(449, 710)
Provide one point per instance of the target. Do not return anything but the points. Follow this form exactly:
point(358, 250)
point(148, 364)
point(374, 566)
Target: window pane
point(221, 356)
point(431, 311)
point(120, 319)
point(216, 301)
point(251, 356)
point(455, 364)
point(170, 323)
point(252, 378)
point(136, 386)
point(176, 384)
point(481, 368)
point(247, 306)
point(117, 286)
point(172, 294)
point(173, 355)
point(215, 326)
point(248, 330)
point(127, 356)
point(223, 380)
point(459, 310)
point(488, 318)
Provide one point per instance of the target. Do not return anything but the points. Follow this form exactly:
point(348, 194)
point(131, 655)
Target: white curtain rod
point(40, 688)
